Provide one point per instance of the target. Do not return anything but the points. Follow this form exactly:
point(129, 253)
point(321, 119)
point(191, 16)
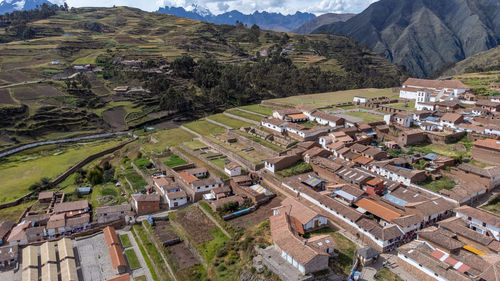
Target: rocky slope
point(325, 19)
point(424, 35)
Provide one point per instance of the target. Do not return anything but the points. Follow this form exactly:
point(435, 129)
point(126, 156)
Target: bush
point(95, 176)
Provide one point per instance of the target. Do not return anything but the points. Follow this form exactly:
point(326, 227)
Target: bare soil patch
point(12, 77)
point(30, 93)
point(182, 256)
point(262, 213)
point(5, 97)
point(196, 224)
point(116, 117)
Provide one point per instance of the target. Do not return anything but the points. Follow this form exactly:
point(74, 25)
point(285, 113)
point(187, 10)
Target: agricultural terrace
point(332, 98)
point(204, 127)
point(21, 170)
point(206, 237)
point(228, 121)
point(167, 138)
point(257, 108)
point(244, 114)
point(365, 117)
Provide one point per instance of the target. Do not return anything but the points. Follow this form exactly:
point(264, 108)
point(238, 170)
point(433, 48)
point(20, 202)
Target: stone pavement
point(143, 270)
point(369, 272)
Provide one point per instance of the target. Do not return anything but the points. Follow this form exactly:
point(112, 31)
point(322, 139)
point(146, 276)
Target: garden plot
point(36, 92)
point(5, 97)
point(196, 224)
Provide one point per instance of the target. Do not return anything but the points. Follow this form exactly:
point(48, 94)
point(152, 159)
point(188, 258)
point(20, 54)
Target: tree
point(183, 66)
point(95, 176)
point(254, 33)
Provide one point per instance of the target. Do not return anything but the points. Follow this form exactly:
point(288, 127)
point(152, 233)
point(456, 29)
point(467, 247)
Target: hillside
point(265, 20)
point(9, 6)
point(319, 21)
point(424, 35)
point(481, 62)
point(175, 68)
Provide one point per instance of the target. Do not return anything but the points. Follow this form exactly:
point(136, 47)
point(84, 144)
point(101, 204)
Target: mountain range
point(265, 20)
point(424, 35)
point(9, 6)
point(319, 21)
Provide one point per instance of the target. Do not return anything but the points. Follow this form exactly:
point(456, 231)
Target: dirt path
point(218, 124)
point(241, 118)
point(251, 112)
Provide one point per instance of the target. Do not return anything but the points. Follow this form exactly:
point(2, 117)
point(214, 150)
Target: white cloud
point(246, 6)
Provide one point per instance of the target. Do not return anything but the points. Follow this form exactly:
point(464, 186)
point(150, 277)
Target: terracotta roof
point(5, 227)
point(194, 171)
point(430, 207)
point(18, 232)
point(56, 221)
point(451, 117)
point(326, 116)
point(335, 145)
point(146, 197)
point(492, 273)
point(78, 220)
point(45, 195)
point(297, 210)
point(479, 214)
point(273, 121)
point(187, 177)
point(161, 181)
point(489, 172)
point(298, 116)
point(363, 160)
point(9, 252)
point(441, 237)
point(436, 84)
point(117, 257)
point(123, 277)
point(242, 178)
point(110, 236)
point(71, 206)
point(232, 165)
point(351, 189)
point(458, 226)
point(176, 195)
point(284, 237)
point(112, 209)
point(488, 143)
point(378, 209)
point(408, 220)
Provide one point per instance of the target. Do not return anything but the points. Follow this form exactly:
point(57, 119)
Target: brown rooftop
point(71, 206)
point(479, 214)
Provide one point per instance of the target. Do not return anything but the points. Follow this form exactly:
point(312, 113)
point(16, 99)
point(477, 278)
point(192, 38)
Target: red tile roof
point(377, 209)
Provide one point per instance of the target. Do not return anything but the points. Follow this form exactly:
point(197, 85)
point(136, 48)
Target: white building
point(274, 124)
point(176, 198)
point(232, 169)
point(480, 221)
point(437, 89)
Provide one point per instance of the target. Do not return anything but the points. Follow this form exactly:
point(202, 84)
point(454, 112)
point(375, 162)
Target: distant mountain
point(325, 19)
point(424, 35)
point(265, 20)
point(8, 6)
point(481, 62)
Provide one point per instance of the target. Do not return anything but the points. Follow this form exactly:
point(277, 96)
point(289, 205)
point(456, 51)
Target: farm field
point(166, 138)
point(332, 98)
point(246, 115)
point(228, 121)
point(20, 171)
point(365, 116)
point(205, 128)
point(257, 108)
point(132, 259)
point(174, 160)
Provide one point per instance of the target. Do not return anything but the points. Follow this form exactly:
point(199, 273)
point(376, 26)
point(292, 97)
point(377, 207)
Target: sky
point(317, 7)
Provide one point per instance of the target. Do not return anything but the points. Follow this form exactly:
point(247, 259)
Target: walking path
point(143, 270)
point(214, 221)
point(190, 131)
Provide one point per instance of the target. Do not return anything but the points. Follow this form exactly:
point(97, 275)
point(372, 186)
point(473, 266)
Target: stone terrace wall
point(232, 155)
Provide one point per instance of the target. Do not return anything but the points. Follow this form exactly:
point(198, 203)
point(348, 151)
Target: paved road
point(143, 270)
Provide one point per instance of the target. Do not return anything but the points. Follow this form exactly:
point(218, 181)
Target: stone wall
point(232, 155)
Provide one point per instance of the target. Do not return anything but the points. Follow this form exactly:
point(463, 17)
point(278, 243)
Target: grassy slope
point(331, 98)
point(18, 172)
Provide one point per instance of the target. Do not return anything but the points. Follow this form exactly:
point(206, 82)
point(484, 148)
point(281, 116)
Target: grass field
point(167, 138)
point(410, 105)
point(246, 115)
point(365, 116)
point(257, 108)
point(13, 213)
point(132, 259)
point(205, 128)
point(20, 171)
point(137, 181)
point(228, 121)
point(386, 274)
point(446, 150)
point(344, 247)
point(493, 206)
point(331, 98)
point(125, 241)
point(437, 185)
point(174, 160)
point(194, 145)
